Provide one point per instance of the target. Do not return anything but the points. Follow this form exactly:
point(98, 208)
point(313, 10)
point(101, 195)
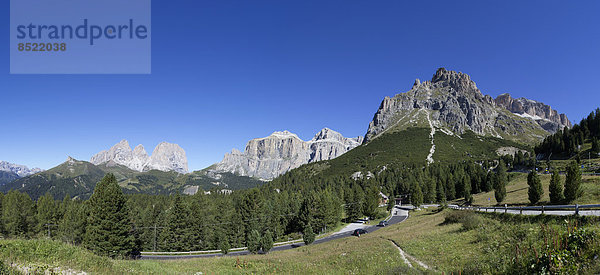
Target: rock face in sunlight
point(17, 169)
point(454, 104)
point(165, 157)
point(543, 114)
point(269, 157)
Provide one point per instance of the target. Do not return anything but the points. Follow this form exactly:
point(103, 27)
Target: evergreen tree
point(556, 188)
point(573, 182)
point(177, 236)
point(109, 231)
point(253, 241)
point(1, 220)
point(18, 214)
point(46, 214)
point(371, 202)
point(441, 194)
point(535, 187)
point(223, 242)
point(416, 196)
point(71, 228)
point(467, 189)
point(501, 179)
point(595, 146)
point(308, 235)
point(266, 242)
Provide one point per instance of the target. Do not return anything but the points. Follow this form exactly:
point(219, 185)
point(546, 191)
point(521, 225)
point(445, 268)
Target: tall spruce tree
point(416, 196)
point(573, 182)
point(308, 235)
point(177, 236)
point(18, 214)
point(500, 182)
point(71, 228)
point(556, 188)
point(109, 231)
point(47, 212)
point(266, 242)
point(535, 191)
point(253, 241)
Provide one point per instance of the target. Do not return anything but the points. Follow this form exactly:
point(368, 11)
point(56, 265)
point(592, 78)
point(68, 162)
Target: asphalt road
point(398, 215)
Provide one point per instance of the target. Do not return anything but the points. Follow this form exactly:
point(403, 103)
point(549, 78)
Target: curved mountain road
point(398, 215)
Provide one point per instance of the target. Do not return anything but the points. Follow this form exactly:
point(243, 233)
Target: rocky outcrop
point(17, 169)
point(543, 114)
point(451, 103)
point(269, 157)
point(165, 157)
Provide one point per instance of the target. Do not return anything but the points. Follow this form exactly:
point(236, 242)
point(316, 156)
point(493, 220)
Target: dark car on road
point(358, 232)
point(383, 223)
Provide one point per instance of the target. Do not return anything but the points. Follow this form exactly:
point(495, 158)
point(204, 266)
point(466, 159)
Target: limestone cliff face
point(453, 104)
point(543, 114)
point(271, 156)
point(165, 157)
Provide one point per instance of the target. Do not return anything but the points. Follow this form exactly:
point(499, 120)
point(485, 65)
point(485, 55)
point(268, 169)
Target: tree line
point(567, 142)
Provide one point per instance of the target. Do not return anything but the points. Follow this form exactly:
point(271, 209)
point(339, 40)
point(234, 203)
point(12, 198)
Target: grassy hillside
point(446, 241)
point(517, 188)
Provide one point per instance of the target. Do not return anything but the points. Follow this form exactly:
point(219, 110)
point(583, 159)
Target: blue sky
point(224, 72)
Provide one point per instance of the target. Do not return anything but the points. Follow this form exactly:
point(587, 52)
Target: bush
point(469, 219)
point(309, 235)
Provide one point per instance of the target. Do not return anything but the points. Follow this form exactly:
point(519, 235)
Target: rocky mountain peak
point(543, 114)
point(165, 157)
point(451, 102)
point(268, 157)
point(18, 169)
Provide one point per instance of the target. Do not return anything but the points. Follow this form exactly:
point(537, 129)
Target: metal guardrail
point(542, 208)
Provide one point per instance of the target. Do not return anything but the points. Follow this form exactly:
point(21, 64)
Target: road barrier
point(543, 208)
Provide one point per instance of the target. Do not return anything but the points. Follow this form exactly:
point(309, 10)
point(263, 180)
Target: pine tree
point(416, 196)
point(266, 242)
point(46, 214)
point(467, 189)
point(109, 231)
point(308, 235)
point(535, 191)
point(223, 242)
point(18, 214)
point(71, 228)
point(253, 241)
point(177, 235)
point(595, 146)
point(441, 194)
point(573, 182)
point(556, 188)
point(501, 179)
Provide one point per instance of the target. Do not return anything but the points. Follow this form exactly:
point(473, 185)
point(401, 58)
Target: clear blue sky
point(224, 72)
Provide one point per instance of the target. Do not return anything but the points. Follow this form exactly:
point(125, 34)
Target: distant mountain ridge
point(165, 157)
point(271, 156)
point(77, 179)
point(543, 114)
point(19, 170)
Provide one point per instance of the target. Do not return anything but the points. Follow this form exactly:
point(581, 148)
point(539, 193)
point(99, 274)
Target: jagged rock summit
point(271, 156)
point(543, 114)
point(17, 169)
point(451, 103)
point(165, 157)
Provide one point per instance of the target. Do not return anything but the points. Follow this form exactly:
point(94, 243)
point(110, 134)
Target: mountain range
point(10, 171)
point(165, 157)
point(445, 119)
point(269, 157)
